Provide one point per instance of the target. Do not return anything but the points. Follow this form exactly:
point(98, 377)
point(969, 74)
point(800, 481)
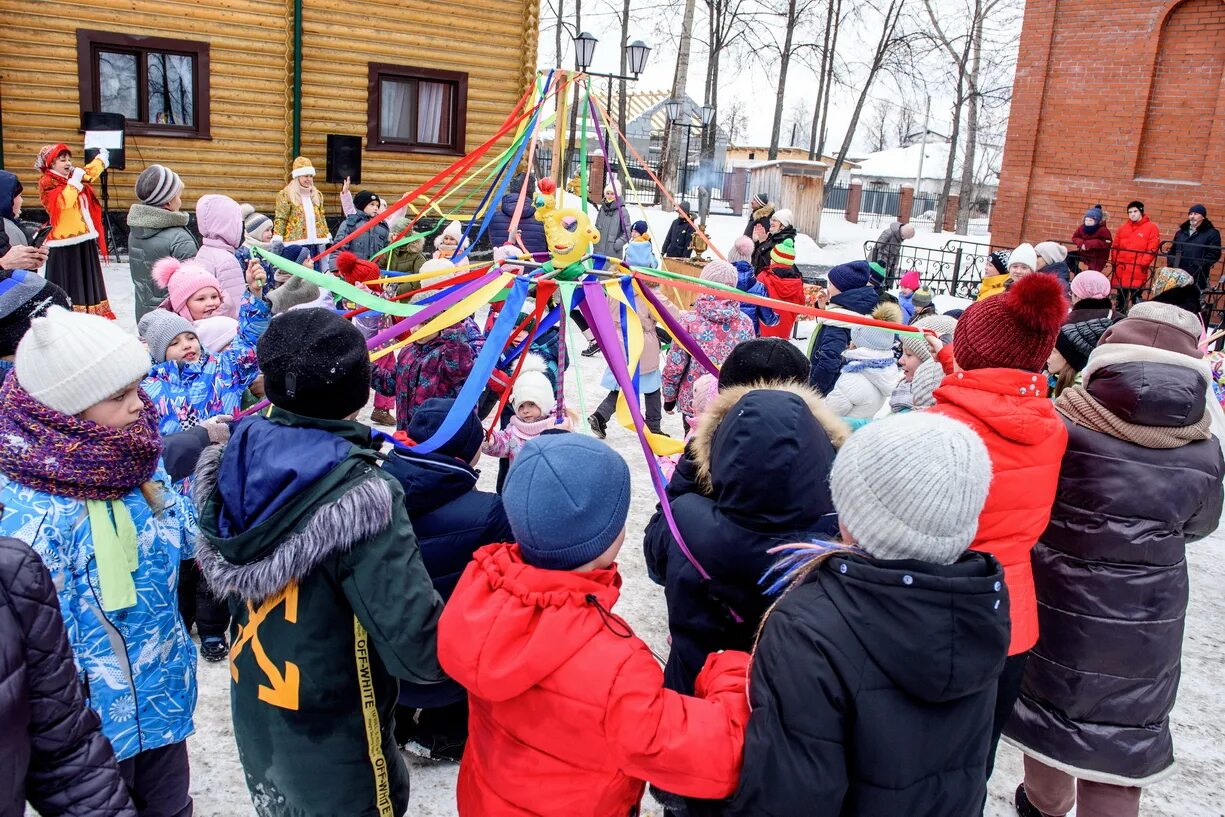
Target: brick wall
point(1114, 100)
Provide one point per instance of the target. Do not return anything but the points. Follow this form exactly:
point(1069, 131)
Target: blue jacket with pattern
point(186, 394)
point(137, 666)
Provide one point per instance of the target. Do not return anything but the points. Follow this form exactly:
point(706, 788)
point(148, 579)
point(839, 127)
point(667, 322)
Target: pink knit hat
point(910, 280)
point(1090, 284)
point(183, 279)
point(216, 332)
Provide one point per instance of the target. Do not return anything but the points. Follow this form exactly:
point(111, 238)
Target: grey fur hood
point(155, 218)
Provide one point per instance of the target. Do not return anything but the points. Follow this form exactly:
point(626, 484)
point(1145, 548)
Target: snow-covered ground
point(1198, 719)
point(840, 241)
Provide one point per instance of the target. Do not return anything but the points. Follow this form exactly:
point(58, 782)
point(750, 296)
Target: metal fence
point(959, 266)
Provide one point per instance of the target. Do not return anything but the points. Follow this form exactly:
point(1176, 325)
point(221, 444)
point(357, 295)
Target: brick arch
point(1185, 90)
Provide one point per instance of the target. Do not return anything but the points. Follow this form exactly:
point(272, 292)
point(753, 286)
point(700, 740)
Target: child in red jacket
point(998, 389)
point(568, 713)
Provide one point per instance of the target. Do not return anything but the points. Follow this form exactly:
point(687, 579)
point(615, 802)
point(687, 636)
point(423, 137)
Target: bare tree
point(797, 125)
point(671, 144)
point(795, 12)
point(726, 21)
point(878, 127)
point(905, 123)
point(735, 120)
point(961, 37)
point(891, 47)
point(825, 79)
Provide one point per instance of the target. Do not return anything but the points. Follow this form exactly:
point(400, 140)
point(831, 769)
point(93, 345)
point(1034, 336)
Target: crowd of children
point(854, 547)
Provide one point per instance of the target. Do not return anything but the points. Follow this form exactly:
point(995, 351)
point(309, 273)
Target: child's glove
point(499, 381)
point(218, 428)
point(670, 406)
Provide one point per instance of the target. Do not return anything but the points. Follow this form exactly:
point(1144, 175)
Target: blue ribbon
point(482, 368)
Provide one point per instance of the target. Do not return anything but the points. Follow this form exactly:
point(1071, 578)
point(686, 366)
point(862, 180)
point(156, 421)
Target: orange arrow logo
point(282, 689)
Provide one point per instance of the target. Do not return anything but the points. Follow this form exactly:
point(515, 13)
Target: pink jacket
point(219, 219)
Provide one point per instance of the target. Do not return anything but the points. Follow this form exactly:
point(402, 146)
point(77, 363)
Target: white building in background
point(893, 167)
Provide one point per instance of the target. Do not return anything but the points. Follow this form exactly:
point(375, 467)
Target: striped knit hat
point(783, 255)
point(157, 185)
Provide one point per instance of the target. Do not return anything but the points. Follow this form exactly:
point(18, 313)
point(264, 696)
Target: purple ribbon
point(433, 310)
point(677, 331)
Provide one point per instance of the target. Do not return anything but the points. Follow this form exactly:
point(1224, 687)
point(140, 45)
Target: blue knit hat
point(567, 497)
point(850, 276)
point(427, 419)
point(1095, 213)
point(639, 227)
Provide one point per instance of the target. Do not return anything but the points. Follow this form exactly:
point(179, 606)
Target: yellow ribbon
point(661, 444)
point(452, 314)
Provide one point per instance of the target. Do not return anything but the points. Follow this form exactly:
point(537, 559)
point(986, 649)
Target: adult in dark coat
point(452, 521)
point(678, 243)
point(874, 678)
point(748, 449)
point(531, 231)
point(781, 229)
point(762, 211)
point(55, 756)
point(888, 249)
point(1196, 246)
point(1141, 478)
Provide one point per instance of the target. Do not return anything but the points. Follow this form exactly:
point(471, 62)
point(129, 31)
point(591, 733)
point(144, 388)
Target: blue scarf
point(862, 365)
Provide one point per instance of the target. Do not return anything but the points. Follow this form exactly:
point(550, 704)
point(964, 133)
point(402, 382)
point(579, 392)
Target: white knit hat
point(533, 387)
point(784, 217)
point(69, 361)
point(1024, 254)
point(900, 506)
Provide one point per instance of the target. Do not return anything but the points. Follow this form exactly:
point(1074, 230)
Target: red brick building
point(1114, 100)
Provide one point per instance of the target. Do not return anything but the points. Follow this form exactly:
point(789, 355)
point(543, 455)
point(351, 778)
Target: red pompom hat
point(356, 270)
point(1014, 330)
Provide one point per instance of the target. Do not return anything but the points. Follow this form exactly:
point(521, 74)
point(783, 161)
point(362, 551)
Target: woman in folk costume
point(298, 220)
point(76, 234)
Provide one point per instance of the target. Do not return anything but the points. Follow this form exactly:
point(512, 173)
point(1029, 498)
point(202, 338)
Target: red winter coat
point(1025, 439)
point(1135, 249)
point(1094, 248)
point(567, 715)
point(790, 289)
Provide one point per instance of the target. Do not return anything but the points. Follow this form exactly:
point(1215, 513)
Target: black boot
point(1024, 807)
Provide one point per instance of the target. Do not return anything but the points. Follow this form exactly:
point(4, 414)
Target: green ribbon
point(566, 289)
point(115, 554)
point(339, 286)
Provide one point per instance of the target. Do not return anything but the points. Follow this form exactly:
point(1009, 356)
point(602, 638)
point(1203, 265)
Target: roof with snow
point(903, 162)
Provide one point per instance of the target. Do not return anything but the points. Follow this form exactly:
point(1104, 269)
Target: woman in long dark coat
point(1141, 478)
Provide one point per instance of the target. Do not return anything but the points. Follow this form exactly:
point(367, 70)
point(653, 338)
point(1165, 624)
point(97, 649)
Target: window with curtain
point(416, 110)
point(159, 85)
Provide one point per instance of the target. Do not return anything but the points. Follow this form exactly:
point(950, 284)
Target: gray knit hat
point(159, 328)
point(294, 292)
point(899, 506)
point(917, 344)
point(157, 185)
point(254, 223)
point(923, 385)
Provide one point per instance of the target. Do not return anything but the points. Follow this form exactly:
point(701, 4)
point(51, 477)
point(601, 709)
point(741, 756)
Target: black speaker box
point(96, 121)
point(344, 158)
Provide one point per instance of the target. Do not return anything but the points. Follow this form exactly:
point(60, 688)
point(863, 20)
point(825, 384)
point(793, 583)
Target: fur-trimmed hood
point(155, 219)
point(267, 519)
point(791, 457)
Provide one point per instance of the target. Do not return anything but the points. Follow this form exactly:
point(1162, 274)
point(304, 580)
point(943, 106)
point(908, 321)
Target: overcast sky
point(754, 80)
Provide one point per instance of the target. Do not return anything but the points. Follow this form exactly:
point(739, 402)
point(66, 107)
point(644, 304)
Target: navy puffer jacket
point(54, 752)
point(531, 231)
point(749, 450)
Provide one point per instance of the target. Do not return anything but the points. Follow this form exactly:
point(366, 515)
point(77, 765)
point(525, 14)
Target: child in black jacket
point(874, 677)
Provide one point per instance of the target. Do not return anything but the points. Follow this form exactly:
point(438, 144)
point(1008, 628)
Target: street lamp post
point(584, 51)
point(706, 113)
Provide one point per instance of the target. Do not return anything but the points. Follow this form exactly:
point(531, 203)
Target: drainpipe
point(297, 78)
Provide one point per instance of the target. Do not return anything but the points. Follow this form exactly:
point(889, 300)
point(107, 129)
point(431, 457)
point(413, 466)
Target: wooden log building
point(227, 92)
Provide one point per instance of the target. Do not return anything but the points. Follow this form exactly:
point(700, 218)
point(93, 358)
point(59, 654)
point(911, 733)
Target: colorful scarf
point(44, 449)
point(1081, 408)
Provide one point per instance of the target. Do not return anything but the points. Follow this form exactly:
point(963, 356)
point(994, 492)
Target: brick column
point(595, 179)
point(905, 203)
point(853, 200)
point(950, 213)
